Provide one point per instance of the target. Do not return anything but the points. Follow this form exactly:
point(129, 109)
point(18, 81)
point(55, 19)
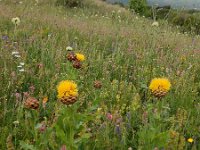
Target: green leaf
point(26, 146)
point(60, 133)
point(161, 139)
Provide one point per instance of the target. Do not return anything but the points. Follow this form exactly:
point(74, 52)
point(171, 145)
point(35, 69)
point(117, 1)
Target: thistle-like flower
point(97, 84)
point(71, 56)
point(67, 92)
point(31, 103)
point(77, 64)
point(160, 87)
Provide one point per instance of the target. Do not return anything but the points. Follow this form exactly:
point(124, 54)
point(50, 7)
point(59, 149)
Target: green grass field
point(115, 108)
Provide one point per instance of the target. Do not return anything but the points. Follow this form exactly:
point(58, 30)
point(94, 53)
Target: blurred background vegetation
point(186, 19)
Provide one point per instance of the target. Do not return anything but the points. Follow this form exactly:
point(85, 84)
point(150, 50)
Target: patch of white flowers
point(16, 54)
point(21, 67)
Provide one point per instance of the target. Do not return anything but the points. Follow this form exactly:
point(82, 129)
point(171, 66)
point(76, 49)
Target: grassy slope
point(118, 47)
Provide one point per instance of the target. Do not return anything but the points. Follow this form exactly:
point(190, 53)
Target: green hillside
point(95, 77)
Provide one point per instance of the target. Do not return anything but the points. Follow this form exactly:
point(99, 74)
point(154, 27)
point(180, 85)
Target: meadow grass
point(123, 52)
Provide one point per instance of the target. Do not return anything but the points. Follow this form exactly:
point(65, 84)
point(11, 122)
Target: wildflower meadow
point(95, 77)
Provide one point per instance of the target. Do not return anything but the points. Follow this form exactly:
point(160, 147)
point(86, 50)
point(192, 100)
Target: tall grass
point(124, 52)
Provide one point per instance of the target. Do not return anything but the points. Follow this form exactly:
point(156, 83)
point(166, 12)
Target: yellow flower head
point(80, 57)
point(16, 21)
point(67, 88)
point(160, 86)
point(45, 100)
point(190, 140)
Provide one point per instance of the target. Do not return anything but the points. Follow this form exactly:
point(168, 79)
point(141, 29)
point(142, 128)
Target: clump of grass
point(69, 3)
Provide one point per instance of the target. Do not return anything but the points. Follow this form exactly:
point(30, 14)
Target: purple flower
point(17, 96)
point(32, 88)
point(40, 65)
point(128, 115)
point(42, 127)
point(13, 75)
point(119, 120)
point(63, 147)
point(26, 94)
point(5, 38)
point(109, 116)
point(118, 130)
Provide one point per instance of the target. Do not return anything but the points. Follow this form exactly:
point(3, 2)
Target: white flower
point(17, 56)
point(19, 66)
point(22, 63)
point(155, 24)
point(190, 66)
point(16, 21)
point(16, 122)
point(49, 35)
point(21, 70)
point(15, 53)
point(69, 48)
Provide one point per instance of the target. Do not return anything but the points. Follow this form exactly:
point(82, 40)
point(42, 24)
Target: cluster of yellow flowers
point(67, 90)
point(76, 59)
